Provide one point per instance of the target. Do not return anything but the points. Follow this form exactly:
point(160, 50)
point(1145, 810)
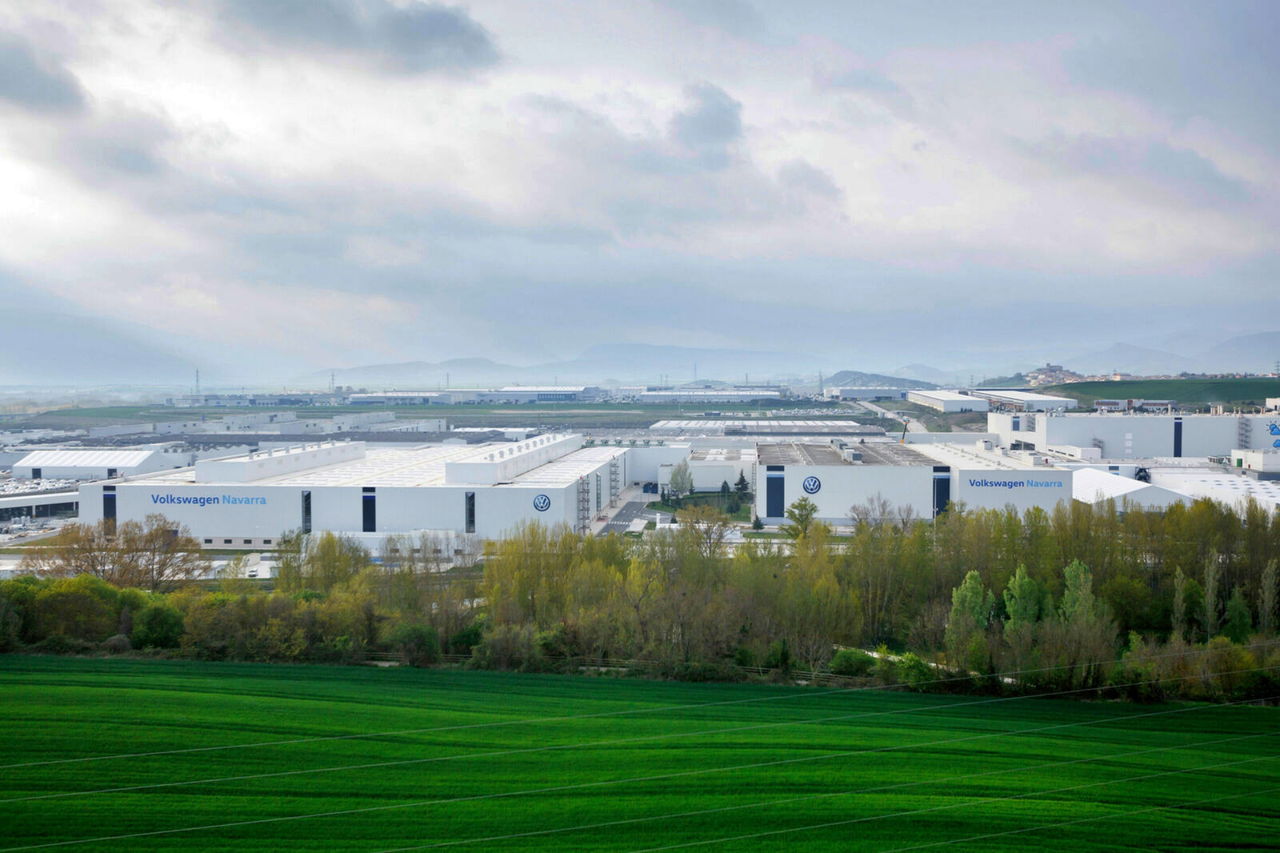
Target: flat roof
point(86, 458)
point(423, 465)
point(946, 395)
point(769, 427)
point(799, 454)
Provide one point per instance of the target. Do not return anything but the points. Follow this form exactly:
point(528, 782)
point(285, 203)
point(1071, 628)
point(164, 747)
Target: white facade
point(1025, 401)
point(484, 490)
point(701, 395)
point(1120, 436)
point(948, 401)
point(88, 463)
point(868, 393)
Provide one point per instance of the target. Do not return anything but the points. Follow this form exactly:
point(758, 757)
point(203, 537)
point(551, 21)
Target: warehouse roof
point(423, 465)
point(85, 458)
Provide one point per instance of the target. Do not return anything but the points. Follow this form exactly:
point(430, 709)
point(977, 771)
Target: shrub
point(117, 644)
point(467, 639)
point(915, 672)
point(779, 656)
point(507, 647)
point(698, 671)
point(157, 626)
point(853, 662)
point(418, 645)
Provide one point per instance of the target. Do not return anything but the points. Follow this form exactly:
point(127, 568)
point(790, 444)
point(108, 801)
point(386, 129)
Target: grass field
point(1182, 390)
point(162, 755)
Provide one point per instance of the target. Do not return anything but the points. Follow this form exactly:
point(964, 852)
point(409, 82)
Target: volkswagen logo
point(542, 503)
point(811, 485)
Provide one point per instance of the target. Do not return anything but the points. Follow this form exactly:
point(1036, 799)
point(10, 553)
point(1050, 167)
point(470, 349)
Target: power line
point(970, 803)
point(831, 794)
point(602, 714)
point(651, 778)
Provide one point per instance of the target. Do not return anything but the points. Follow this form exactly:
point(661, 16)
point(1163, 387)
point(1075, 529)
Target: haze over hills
point(1128, 358)
point(621, 362)
point(858, 379)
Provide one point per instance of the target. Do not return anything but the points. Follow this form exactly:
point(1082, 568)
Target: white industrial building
point(709, 395)
point(1024, 401)
point(542, 394)
point(734, 426)
point(862, 393)
point(89, 463)
point(948, 401)
point(249, 500)
point(1125, 436)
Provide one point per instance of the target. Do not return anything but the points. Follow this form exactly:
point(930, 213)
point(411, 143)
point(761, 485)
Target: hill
point(1127, 358)
point(1193, 391)
point(858, 379)
point(227, 756)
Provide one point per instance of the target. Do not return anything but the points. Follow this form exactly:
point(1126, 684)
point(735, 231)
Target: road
point(629, 511)
point(913, 425)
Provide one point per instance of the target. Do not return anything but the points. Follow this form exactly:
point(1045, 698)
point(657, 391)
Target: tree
point(1239, 621)
point(742, 487)
point(1179, 616)
point(681, 482)
point(1267, 599)
point(725, 491)
point(800, 516)
point(155, 555)
point(756, 523)
point(1211, 575)
point(157, 626)
point(971, 606)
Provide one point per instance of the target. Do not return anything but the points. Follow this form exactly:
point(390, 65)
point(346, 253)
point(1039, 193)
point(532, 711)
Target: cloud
point(35, 81)
point(1151, 167)
point(412, 38)
point(709, 125)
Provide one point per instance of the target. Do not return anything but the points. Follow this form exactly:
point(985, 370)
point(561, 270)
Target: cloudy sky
point(265, 187)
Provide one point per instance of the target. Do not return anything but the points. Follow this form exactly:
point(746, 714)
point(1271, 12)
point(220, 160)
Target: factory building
point(835, 479)
point(709, 395)
point(486, 490)
point(948, 401)
point(89, 463)
point(733, 426)
point(1024, 401)
point(1123, 436)
point(542, 394)
point(861, 393)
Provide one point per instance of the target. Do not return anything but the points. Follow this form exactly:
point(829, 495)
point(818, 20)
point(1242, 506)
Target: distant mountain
point(419, 375)
point(858, 379)
point(650, 362)
point(1247, 353)
point(943, 378)
point(606, 362)
point(1127, 358)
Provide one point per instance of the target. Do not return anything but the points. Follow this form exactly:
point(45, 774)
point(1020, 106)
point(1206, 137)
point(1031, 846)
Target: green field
point(165, 755)
point(1186, 391)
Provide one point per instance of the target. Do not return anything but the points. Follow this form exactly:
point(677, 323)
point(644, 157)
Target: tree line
point(1077, 597)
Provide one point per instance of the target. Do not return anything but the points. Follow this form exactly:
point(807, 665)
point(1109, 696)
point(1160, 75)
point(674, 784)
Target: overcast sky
point(281, 185)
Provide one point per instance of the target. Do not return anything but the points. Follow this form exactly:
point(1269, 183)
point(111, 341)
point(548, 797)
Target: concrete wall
point(842, 486)
point(1021, 489)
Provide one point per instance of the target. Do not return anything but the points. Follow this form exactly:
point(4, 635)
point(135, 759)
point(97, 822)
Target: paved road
point(913, 425)
point(629, 511)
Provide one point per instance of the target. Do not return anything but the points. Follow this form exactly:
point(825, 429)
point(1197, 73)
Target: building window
point(208, 541)
point(470, 513)
point(266, 541)
point(226, 541)
point(306, 512)
point(248, 541)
